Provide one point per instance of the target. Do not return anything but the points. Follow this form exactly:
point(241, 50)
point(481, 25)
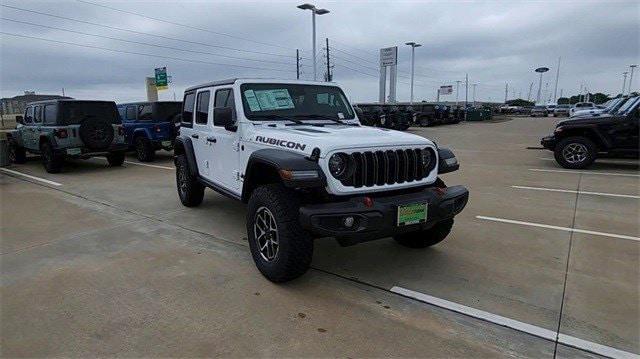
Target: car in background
point(577, 142)
point(551, 107)
point(561, 110)
point(608, 106)
point(150, 126)
point(581, 106)
point(539, 111)
point(66, 128)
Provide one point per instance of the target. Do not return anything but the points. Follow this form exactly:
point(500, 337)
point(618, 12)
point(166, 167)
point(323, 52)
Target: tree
point(563, 101)
point(519, 102)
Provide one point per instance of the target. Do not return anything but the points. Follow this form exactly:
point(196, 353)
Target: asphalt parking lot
point(100, 261)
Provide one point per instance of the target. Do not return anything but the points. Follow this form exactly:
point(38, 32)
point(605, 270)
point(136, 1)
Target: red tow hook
point(441, 191)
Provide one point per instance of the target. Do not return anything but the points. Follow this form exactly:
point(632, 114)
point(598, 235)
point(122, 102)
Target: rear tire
point(282, 252)
point(575, 152)
point(115, 159)
point(17, 154)
point(144, 149)
point(51, 160)
point(426, 238)
point(190, 191)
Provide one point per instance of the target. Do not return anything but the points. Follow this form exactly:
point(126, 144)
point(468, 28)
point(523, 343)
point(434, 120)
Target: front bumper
point(548, 142)
point(380, 219)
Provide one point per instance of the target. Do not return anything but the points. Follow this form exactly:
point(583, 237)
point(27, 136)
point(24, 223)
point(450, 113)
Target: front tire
point(190, 191)
point(17, 154)
point(281, 248)
point(115, 159)
point(144, 149)
point(51, 160)
point(426, 238)
point(575, 152)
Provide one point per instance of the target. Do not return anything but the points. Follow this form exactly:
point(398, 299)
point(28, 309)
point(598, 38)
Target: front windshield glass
point(611, 104)
point(285, 101)
point(628, 105)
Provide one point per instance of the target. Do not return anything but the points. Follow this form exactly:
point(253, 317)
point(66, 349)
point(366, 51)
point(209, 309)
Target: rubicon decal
point(281, 143)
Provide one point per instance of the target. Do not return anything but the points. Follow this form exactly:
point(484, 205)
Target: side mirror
point(223, 116)
point(20, 119)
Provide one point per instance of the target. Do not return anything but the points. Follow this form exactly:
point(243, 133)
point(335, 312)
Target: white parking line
point(148, 165)
point(566, 229)
point(30, 176)
point(540, 332)
point(585, 172)
point(573, 191)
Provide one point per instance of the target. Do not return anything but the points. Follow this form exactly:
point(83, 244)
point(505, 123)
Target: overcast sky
point(495, 42)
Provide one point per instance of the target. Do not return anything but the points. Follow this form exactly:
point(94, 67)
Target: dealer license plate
point(412, 214)
point(166, 143)
point(74, 151)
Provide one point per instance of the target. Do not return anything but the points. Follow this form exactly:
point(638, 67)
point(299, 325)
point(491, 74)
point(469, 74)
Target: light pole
point(314, 11)
point(474, 94)
point(413, 59)
point(457, 90)
point(631, 76)
point(541, 70)
point(624, 82)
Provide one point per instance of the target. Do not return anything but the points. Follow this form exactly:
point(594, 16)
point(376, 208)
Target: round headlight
point(338, 164)
point(425, 158)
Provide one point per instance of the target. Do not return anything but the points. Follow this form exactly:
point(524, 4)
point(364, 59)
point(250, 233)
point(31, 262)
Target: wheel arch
point(589, 133)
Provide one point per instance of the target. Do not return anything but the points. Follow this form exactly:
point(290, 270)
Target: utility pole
point(314, 11)
point(63, 91)
point(506, 92)
point(560, 92)
point(413, 62)
point(631, 76)
point(457, 90)
point(530, 89)
point(555, 90)
point(474, 94)
point(624, 82)
point(328, 78)
point(466, 94)
point(297, 64)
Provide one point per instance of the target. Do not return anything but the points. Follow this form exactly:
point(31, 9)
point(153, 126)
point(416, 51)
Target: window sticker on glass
point(278, 99)
point(252, 101)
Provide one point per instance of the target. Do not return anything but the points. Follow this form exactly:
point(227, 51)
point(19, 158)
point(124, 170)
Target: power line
point(183, 25)
point(144, 54)
point(144, 33)
point(144, 43)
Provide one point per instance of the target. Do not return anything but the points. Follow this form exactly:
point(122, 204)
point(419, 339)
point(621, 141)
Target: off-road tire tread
point(20, 154)
point(148, 154)
point(591, 147)
point(56, 160)
point(195, 190)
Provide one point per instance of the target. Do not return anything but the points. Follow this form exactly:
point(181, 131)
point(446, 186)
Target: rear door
point(200, 131)
point(225, 144)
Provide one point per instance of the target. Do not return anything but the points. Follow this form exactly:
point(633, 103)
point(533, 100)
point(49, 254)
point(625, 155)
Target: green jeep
point(59, 129)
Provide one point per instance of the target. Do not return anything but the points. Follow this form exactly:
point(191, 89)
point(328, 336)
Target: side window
point(224, 98)
point(37, 115)
point(50, 114)
point(122, 112)
point(28, 118)
point(131, 113)
point(145, 113)
point(187, 109)
point(202, 110)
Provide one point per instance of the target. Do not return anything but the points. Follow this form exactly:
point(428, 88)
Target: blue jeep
point(150, 126)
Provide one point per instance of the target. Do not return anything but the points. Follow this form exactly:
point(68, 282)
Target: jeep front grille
point(388, 167)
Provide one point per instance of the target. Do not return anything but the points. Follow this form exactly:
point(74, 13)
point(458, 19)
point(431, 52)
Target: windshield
point(272, 101)
point(612, 103)
point(74, 113)
point(166, 111)
point(628, 105)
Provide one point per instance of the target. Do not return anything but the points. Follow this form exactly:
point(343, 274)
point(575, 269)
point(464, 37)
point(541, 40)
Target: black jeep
point(576, 143)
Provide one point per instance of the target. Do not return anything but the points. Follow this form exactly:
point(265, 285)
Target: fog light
point(348, 221)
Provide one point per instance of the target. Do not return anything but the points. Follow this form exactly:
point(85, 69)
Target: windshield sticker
point(252, 100)
point(277, 99)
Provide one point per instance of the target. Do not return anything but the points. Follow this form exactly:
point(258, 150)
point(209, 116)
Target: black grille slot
point(373, 168)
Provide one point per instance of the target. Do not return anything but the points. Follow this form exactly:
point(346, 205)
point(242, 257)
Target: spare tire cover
point(97, 134)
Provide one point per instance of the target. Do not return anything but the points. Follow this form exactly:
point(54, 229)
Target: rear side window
point(75, 112)
point(187, 109)
point(222, 98)
point(50, 114)
point(28, 118)
point(145, 113)
point(202, 111)
point(37, 115)
point(121, 112)
point(130, 113)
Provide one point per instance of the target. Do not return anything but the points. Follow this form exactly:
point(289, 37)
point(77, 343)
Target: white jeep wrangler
point(295, 152)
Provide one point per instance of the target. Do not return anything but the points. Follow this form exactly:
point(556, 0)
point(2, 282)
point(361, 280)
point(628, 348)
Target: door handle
point(195, 135)
point(212, 139)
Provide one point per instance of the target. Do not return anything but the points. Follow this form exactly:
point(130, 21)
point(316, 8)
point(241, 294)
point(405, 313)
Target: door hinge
point(236, 145)
point(238, 176)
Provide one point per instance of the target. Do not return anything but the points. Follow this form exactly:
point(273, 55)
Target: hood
point(582, 120)
point(304, 138)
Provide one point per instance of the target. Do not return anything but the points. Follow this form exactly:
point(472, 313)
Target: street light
point(541, 70)
point(624, 82)
point(413, 57)
point(314, 11)
point(631, 76)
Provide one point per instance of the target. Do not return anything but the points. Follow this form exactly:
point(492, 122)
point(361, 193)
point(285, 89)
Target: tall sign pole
point(624, 82)
point(457, 91)
point(297, 64)
point(540, 70)
point(388, 58)
point(631, 77)
point(555, 90)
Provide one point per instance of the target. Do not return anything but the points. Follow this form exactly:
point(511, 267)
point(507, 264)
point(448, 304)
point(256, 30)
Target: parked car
point(64, 128)
point(561, 110)
point(307, 169)
point(551, 107)
point(581, 106)
point(539, 111)
point(577, 142)
point(611, 105)
point(150, 126)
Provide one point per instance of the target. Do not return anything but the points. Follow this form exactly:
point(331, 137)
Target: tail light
point(120, 131)
point(157, 128)
point(61, 133)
